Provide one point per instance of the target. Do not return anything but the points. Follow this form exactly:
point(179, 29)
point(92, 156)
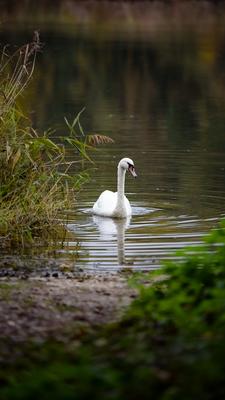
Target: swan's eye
point(132, 170)
point(130, 166)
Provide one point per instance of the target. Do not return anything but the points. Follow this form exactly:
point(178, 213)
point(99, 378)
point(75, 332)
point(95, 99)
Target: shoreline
point(64, 310)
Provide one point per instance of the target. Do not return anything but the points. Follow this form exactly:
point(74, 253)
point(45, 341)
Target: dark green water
point(161, 96)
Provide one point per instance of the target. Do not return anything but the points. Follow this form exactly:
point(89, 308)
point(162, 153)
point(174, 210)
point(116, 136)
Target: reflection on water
point(160, 95)
point(141, 243)
point(113, 228)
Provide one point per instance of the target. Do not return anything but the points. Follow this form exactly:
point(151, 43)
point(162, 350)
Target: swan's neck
point(120, 186)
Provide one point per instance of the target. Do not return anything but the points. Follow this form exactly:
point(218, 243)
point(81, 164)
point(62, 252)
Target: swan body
point(115, 204)
point(106, 204)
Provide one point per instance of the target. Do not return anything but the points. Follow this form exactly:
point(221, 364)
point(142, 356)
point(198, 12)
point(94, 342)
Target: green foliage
point(169, 345)
point(36, 182)
point(35, 179)
point(31, 190)
point(82, 142)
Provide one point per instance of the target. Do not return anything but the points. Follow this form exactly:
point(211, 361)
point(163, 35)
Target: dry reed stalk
point(25, 58)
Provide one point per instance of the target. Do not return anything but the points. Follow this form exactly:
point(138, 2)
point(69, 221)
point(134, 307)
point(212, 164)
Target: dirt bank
point(39, 309)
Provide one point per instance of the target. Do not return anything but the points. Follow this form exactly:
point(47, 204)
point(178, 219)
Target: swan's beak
point(132, 171)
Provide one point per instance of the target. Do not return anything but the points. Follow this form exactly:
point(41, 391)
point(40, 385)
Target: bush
point(172, 340)
point(170, 344)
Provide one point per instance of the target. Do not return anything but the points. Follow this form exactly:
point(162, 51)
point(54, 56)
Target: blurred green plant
point(169, 344)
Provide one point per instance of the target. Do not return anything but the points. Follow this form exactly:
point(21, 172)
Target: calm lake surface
point(160, 94)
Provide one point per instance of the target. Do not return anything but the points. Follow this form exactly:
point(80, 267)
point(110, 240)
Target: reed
point(36, 182)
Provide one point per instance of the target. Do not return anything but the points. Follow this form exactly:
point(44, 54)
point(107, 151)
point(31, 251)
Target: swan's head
point(128, 165)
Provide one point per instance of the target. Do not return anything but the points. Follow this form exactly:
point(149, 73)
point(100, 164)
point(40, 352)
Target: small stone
point(11, 323)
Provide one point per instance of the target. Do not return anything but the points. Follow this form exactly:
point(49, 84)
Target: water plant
point(35, 179)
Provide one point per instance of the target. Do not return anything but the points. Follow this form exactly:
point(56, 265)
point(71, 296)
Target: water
point(160, 95)
point(165, 218)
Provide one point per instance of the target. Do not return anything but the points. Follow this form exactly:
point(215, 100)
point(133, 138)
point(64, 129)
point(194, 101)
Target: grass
point(36, 183)
point(32, 190)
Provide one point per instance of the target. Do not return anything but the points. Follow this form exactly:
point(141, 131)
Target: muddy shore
point(40, 309)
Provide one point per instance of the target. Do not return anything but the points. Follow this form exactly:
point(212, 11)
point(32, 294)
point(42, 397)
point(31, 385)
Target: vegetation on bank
point(36, 178)
point(170, 343)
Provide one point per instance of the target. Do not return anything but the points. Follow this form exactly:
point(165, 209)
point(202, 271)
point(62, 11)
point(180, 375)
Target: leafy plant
point(169, 344)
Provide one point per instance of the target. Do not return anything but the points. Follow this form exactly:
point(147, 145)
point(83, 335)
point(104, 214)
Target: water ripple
point(140, 243)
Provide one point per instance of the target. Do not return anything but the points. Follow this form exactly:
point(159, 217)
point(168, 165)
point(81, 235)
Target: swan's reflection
point(109, 229)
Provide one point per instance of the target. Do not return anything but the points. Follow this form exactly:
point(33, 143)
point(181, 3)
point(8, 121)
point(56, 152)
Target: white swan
point(115, 204)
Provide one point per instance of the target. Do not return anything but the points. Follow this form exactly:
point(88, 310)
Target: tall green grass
point(35, 179)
